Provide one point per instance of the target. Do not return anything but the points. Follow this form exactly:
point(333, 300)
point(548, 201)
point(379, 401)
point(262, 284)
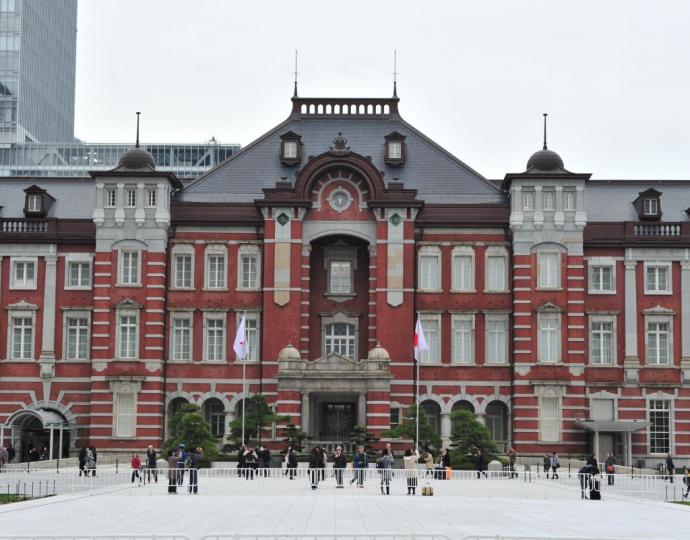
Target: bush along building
point(556, 307)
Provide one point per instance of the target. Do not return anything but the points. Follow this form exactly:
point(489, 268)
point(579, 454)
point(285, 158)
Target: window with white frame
point(252, 336)
point(340, 338)
point(214, 412)
point(34, 203)
point(249, 270)
point(463, 269)
point(214, 338)
point(496, 337)
point(602, 278)
point(128, 335)
point(110, 197)
point(463, 338)
point(151, 197)
point(431, 326)
point(568, 200)
point(125, 412)
point(659, 414)
point(183, 264)
point(496, 270)
point(602, 345)
point(549, 418)
point(548, 199)
point(430, 268)
point(181, 337)
point(549, 334)
point(215, 267)
point(78, 275)
point(651, 207)
point(130, 267)
point(131, 197)
point(394, 149)
point(548, 268)
point(657, 278)
point(340, 277)
point(659, 341)
point(528, 199)
point(22, 337)
point(290, 149)
point(76, 340)
point(24, 273)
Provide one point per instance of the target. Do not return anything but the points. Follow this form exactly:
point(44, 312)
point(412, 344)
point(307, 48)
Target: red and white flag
point(420, 343)
point(240, 345)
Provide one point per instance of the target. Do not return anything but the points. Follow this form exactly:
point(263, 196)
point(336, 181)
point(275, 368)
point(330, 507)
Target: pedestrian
point(4, 457)
point(10, 453)
point(392, 455)
point(428, 463)
point(410, 462)
point(241, 465)
point(181, 456)
point(360, 463)
point(251, 462)
point(136, 467)
point(585, 475)
point(670, 467)
point(547, 464)
point(265, 459)
point(45, 455)
point(384, 465)
point(512, 458)
point(339, 465)
point(94, 463)
point(316, 464)
point(193, 459)
point(151, 464)
point(291, 463)
point(686, 481)
point(90, 462)
point(82, 461)
point(555, 465)
point(610, 468)
point(172, 472)
point(480, 463)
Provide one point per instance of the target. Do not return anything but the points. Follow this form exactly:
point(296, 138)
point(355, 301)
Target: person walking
point(410, 461)
point(610, 468)
point(547, 464)
point(428, 463)
point(90, 462)
point(384, 465)
point(265, 459)
point(316, 464)
point(10, 453)
point(670, 467)
point(172, 472)
point(686, 481)
point(4, 457)
point(290, 463)
point(392, 455)
point(480, 463)
point(151, 465)
point(136, 468)
point(512, 458)
point(339, 465)
point(94, 456)
point(181, 456)
point(193, 459)
point(555, 465)
point(82, 461)
point(360, 464)
point(251, 463)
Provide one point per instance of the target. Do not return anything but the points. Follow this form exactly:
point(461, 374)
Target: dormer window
point(395, 151)
point(651, 207)
point(290, 148)
point(34, 203)
point(648, 205)
point(37, 202)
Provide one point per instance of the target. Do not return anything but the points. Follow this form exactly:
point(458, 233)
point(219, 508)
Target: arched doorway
point(173, 408)
point(214, 413)
point(463, 405)
point(497, 423)
point(39, 434)
point(433, 413)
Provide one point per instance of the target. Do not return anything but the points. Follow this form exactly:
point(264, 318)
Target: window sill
point(129, 285)
point(118, 359)
point(24, 288)
point(181, 288)
point(497, 364)
point(657, 293)
point(215, 289)
point(248, 289)
point(549, 289)
point(79, 288)
point(660, 366)
point(601, 292)
point(430, 290)
point(340, 297)
point(463, 291)
point(591, 364)
point(74, 360)
point(124, 438)
point(490, 291)
point(245, 362)
point(213, 362)
point(20, 361)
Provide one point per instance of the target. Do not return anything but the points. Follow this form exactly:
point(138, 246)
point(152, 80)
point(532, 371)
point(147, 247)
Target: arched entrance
point(463, 405)
point(39, 433)
point(433, 413)
point(497, 423)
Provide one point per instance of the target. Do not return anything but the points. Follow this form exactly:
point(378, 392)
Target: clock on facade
point(340, 200)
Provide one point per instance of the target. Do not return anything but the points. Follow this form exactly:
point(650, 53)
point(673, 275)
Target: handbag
point(428, 490)
point(609, 469)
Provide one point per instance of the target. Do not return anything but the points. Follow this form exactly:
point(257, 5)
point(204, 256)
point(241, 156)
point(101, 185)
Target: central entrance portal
point(337, 421)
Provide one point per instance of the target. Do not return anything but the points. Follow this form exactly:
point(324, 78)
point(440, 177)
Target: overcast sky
point(475, 76)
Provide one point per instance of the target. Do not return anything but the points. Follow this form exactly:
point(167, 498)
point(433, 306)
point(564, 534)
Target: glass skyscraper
point(38, 48)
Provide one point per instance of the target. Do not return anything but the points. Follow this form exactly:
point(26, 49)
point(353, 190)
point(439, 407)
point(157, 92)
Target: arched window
point(497, 423)
point(214, 413)
point(340, 339)
point(433, 413)
point(463, 405)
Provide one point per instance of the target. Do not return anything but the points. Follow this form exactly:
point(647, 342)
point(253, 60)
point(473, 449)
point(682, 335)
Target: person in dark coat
point(670, 467)
point(547, 464)
point(610, 468)
point(82, 462)
point(251, 463)
point(384, 466)
point(316, 464)
point(479, 463)
point(94, 454)
point(10, 453)
point(264, 459)
point(151, 464)
point(339, 465)
point(194, 457)
point(360, 463)
point(241, 465)
point(585, 476)
point(291, 463)
point(172, 472)
point(512, 458)
point(181, 456)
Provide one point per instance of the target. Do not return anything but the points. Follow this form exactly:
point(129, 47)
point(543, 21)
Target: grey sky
point(614, 76)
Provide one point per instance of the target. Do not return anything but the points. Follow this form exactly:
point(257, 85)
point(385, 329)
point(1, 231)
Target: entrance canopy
point(45, 416)
point(612, 426)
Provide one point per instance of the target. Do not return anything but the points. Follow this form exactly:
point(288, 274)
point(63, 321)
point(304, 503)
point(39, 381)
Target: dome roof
point(289, 353)
point(378, 353)
point(137, 158)
point(545, 160)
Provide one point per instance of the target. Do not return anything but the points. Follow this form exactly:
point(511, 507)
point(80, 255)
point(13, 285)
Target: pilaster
point(47, 358)
point(632, 360)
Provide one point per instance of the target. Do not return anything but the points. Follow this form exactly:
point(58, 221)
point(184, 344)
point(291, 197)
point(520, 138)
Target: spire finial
point(137, 143)
point(295, 93)
point(395, 73)
point(545, 115)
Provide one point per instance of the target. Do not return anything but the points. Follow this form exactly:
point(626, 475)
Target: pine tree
point(189, 427)
point(361, 437)
point(468, 435)
point(294, 437)
point(257, 416)
point(407, 429)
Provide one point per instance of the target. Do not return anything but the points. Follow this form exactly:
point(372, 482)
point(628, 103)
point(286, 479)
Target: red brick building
point(557, 308)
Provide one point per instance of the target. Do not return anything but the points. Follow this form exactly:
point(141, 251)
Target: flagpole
point(416, 398)
point(244, 378)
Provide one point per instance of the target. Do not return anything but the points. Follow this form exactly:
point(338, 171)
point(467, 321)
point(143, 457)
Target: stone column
point(120, 204)
point(47, 357)
point(362, 410)
point(538, 207)
point(685, 320)
point(139, 214)
point(445, 428)
point(632, 360)
point(305, 412)
point(559, 217)
point(481, 418)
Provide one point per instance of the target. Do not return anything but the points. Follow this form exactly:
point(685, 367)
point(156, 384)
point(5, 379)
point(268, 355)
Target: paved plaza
point(459, 508)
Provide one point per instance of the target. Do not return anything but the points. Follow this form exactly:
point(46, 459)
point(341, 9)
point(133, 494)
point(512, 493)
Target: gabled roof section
point(437, 175)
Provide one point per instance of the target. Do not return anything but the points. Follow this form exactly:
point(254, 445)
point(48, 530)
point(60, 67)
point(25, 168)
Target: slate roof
point(75, 198)
point(612, 200)
point(437, 175)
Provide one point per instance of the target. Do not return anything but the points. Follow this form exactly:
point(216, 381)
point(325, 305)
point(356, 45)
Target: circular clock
point(340, 200)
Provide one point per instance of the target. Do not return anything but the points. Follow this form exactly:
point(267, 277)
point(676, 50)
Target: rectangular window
point(340, 338)
point(22, 338)
point(129, 267)
point(394, 417)
point(252, 329)
point(24, 275)
point(660, 426)
point(34, 203)
point(463, 340)
point(429, 270)
point(496, 340)
point(528, 200)
point(215, 340)
point(151, 197)
point(601, 279)
point(549, 338)
point(215, 271)
point(290, 149)
point(568, 200)
point(183, 271)
point(340, 277)
point(548, 200)
point(249, 271)
point(657, 278)
point(651, 207)
point(394, 150)
point(495, 273)
point(601, 342)
point(131, 199)
point(110, 198)
point(549, 266)
point(463, 272)
point(549, 419)
point(77, 329)
point(182, 338)
point(658, 343)
point(128, 337)
point(79, 275)
point(125, 415)
point(432, 333)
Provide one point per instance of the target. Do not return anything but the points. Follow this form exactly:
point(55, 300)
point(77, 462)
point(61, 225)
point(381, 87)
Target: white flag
point(420, 343)
point(240, 345)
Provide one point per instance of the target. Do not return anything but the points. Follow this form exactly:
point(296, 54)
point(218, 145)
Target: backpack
point(379, 464)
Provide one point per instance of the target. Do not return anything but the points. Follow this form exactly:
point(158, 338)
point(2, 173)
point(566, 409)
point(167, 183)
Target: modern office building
point(38, 47)
point(556, 307)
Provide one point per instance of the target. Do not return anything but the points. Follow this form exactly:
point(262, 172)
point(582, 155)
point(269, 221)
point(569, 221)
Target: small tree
point(189, 427)
point(407, 429)
point(258, 415)
point(294, 437)
point(468, 435)
point(361, 437)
